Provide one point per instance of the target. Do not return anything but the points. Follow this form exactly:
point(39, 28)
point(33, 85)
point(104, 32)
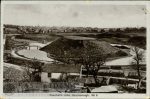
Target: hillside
point(62, 45)
point(121, 38)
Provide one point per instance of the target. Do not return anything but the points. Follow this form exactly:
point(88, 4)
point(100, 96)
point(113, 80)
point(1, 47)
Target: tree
point(27, 68)
point(90, 56)
point(111, 30)
point(37, 69)
point(138, 56)
point(118, 30)
point(8, 43)
point(102, 31)
point(33, 71)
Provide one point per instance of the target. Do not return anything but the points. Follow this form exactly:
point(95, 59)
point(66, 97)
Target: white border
point(148, 48)
point(106, 96)
point(1, 53)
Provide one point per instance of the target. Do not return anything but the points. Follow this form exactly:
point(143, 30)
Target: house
point(50, 71)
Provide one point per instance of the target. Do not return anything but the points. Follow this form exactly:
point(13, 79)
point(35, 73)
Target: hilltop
point(66, 44)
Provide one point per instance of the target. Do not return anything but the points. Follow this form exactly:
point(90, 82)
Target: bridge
point(29, 47)
point(33, 46)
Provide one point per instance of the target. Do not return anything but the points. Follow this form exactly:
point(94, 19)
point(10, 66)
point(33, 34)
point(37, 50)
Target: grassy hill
point(134, 39)
point(65, 44)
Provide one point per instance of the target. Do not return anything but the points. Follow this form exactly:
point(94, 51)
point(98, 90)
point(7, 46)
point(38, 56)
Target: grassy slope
point(67, 44)
point(37, 37)
point(135, 39)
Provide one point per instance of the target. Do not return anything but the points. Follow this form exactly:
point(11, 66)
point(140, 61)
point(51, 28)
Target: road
point(125, 60)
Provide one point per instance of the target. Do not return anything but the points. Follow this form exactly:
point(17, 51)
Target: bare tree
point(138, 55)
point(91, 57)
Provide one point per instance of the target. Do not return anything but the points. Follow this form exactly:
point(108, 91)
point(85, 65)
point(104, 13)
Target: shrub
point(8, 88)
point(121, 53)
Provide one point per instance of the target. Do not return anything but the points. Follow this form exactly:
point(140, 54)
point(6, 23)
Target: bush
point(116, 67)
point(139, 41)
point(8, 88)
point(121, 53)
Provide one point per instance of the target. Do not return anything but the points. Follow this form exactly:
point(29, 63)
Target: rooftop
point(61, 68)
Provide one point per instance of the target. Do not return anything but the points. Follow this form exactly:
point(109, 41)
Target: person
point(88, 89)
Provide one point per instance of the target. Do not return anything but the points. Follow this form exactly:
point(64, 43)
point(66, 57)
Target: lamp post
point(81, 71)
point(126, 73)
point(80, 78)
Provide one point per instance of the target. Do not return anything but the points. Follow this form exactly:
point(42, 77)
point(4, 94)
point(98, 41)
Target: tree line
point(54, 29)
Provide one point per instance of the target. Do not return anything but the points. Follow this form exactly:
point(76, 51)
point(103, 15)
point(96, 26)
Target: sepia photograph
point(74, 48)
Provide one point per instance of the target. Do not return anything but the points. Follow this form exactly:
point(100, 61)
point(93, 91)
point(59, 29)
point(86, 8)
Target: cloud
point(75, 15)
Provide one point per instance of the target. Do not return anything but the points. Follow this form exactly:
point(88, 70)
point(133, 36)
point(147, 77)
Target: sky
point(75, 15)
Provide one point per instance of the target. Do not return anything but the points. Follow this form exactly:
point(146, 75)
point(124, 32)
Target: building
point(50, 71)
